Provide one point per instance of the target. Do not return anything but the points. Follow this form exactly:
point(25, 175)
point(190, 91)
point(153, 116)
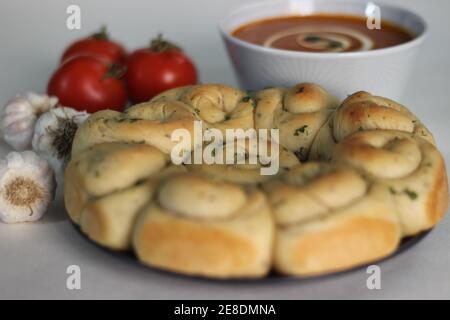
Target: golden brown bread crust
point(239, 245)
point(217, 105)
point(311, 190)
point(437, 203)
point(299, 112)
point(362, 111)
point(356, 241)
point(411, 168)
point(136, 125)
point(384, 179)
point(75, 196)
point(330, 228)
point(106, 168)
point(109, 220)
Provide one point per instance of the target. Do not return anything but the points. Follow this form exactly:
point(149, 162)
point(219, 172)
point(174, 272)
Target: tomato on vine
point(88, 83)
point(99, 45)
point(157, 68)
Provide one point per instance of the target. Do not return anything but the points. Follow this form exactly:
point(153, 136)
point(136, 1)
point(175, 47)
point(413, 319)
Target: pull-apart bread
point(354, 179)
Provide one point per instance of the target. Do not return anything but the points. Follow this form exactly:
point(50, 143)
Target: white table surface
point(34, 257)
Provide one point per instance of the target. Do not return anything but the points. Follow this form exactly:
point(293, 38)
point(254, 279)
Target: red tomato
point(88, 83)
point(158, 68)
point(98, 45)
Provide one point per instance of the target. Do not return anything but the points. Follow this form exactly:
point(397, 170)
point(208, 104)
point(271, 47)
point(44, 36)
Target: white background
point(34, 257)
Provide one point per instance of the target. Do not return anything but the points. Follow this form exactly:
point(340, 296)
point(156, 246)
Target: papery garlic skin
point(41, 102)
point(53, 135)
point(18, 117)
point(27, 186)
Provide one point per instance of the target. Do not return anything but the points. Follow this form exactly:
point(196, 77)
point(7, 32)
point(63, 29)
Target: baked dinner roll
point(410, 167)
point(109, 220)
point(149, 122)
point(363, 111)
point(329, 218)
point(298, 112)
point(106, 168)
point(204, 227)
point(246, 172)
point(218, 106)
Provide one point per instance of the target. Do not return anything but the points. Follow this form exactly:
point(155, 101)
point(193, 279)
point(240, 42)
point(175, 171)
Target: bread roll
point(218, 106)
point(106, 168)
point(363, 111)
point(109, 220)
point(246, 173)
point(298, 112)
point(201, 227)
point(149, 122)
point(329, 219)
point(410, 167)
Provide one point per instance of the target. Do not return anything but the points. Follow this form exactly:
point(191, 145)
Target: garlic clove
point(18, 141)
point(18, 126)
point(18, 103)
point(18, 109)
point(41, 102)
point(27, 186)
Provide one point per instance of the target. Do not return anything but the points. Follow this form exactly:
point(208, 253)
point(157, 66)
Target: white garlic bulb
point(19, 116)
point(27, 186)
point(53, 135)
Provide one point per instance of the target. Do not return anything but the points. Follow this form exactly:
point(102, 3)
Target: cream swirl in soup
point(321, 33)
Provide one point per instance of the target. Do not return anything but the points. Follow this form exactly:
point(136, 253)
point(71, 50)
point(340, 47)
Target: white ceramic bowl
point(382, 71)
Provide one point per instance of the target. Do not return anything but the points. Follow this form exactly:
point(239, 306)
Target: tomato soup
point(321, 33)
